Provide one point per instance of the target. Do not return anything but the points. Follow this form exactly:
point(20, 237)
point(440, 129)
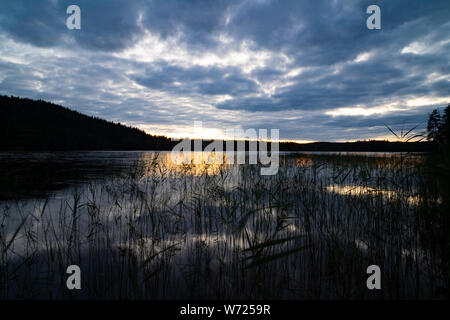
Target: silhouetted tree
point(445, 127)
point(434, 125)
point(439, 127)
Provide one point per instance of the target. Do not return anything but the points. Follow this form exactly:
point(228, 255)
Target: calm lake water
point(34, 174)
point(140, 226)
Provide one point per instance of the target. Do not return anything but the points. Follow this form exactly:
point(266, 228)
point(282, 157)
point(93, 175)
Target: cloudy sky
point(310, 68)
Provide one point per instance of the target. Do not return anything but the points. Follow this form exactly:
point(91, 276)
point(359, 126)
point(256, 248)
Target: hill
point(39, 125)
point(36, 125)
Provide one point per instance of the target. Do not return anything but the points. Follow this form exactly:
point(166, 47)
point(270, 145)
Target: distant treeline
point(36, 125)
point(358, 146)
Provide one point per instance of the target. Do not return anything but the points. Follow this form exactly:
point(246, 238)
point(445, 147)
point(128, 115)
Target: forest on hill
point(37, 125)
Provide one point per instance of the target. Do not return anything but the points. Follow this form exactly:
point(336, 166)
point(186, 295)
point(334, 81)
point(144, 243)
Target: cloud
point(196, 79)
point(107, 25)
point(310, 68)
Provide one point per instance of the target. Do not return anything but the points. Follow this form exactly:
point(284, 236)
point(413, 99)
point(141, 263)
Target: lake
point(141, 227)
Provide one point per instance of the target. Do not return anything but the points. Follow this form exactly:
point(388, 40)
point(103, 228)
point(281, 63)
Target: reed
point(225, 231)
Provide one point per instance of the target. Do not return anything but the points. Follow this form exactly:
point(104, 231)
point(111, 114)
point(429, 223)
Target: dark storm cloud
point(32, 21)
point(383, 77)
point(326, 32)
point(204, 80)
point(409, 57)
point(108, 25)
point(197, 21)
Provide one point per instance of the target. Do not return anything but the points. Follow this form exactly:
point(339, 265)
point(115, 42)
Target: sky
point(311, 69)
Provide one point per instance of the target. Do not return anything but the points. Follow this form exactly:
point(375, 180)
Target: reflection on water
point(389, 195)
point(141, 226)
point(30, 174)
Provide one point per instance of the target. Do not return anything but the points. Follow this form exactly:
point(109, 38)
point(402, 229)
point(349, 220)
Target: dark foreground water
point(141, 227)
